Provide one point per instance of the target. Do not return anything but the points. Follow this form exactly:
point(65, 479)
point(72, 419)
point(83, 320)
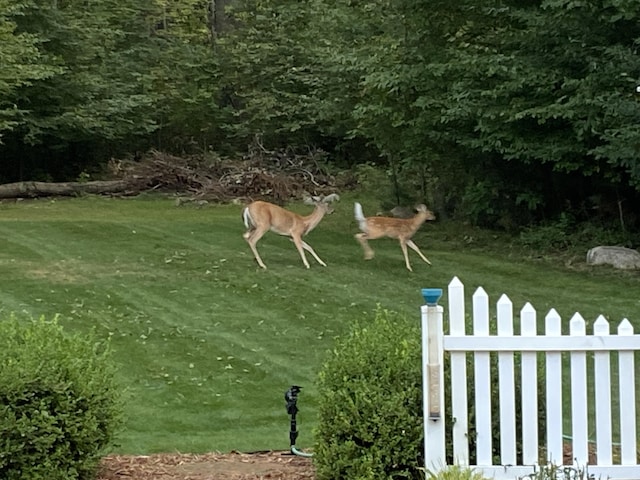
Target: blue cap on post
point(431, 295)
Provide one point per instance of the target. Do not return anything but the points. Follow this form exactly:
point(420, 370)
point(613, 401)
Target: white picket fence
point(578, 346)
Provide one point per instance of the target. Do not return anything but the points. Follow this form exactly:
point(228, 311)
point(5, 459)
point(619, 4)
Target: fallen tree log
point(47, 189)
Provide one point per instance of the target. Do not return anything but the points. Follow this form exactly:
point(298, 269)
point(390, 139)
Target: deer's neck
point(311, 221)
point(418, 220)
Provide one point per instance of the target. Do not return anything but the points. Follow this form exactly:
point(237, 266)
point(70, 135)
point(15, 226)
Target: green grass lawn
point(208, 343)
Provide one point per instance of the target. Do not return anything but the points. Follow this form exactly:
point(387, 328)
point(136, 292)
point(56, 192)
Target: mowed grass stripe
point(207, 343)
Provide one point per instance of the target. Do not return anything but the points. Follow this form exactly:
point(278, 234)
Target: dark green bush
point(370, 410)
point(59, 404)
point(565, 233)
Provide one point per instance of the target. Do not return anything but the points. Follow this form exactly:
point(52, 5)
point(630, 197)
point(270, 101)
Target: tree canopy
point(503, 111)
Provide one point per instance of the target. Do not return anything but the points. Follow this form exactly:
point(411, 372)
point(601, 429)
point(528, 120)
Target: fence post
point(433, 380)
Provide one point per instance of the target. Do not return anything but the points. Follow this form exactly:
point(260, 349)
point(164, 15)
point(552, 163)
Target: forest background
point(502, 113)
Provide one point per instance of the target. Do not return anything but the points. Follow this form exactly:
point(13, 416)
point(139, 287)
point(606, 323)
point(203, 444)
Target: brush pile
point(277, 176)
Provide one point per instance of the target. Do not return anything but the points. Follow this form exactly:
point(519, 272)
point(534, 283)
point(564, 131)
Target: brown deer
point(401, 228)
point(260, 217)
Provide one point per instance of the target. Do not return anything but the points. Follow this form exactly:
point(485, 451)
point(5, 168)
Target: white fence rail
point(591, 357)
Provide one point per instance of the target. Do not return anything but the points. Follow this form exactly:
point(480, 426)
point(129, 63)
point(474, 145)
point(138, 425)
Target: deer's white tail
point(359, 214)
point(246, 216)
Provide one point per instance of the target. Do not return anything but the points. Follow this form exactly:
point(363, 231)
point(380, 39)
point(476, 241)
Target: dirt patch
point(276, 465)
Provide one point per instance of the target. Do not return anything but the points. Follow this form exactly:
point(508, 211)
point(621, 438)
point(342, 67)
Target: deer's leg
point(368, 252)
point(299, 245)
point(308, 248)
point(252, 237)
point(415, 248)
point(403, 246)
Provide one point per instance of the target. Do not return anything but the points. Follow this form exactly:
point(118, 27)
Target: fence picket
point(529, 378)
point(579, 418)
point(459, 401)
point(554, 392)
point(506, 377)
point(627, 379)
point(602, 390)
point(482, 370)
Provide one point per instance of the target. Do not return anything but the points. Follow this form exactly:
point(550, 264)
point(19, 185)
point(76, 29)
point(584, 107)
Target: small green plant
point(59, 406)
point(83, 177)
point(455, 472)
point(551, 471)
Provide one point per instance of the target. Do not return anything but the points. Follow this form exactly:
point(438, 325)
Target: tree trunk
point(218, 21)
point(44, 189)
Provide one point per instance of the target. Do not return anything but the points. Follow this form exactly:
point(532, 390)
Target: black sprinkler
point(291, 397)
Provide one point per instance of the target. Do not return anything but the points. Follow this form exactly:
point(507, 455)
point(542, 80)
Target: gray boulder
point(618, 257)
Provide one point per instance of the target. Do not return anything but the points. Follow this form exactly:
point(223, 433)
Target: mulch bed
point(274, 465)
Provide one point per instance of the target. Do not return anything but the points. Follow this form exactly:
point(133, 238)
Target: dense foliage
point(59, 405)
point(503, 112)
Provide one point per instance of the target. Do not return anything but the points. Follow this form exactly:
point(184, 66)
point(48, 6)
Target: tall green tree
point(21, 64)
point(269, 74)
point(403, 55)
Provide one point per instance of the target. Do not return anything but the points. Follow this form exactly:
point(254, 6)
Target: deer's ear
point(310, 200)
point(331, 198)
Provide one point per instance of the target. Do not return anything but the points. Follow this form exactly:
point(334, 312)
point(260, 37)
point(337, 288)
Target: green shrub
point(59, 405)
point(370, 424)
point(565, 233)
point(555, 235)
